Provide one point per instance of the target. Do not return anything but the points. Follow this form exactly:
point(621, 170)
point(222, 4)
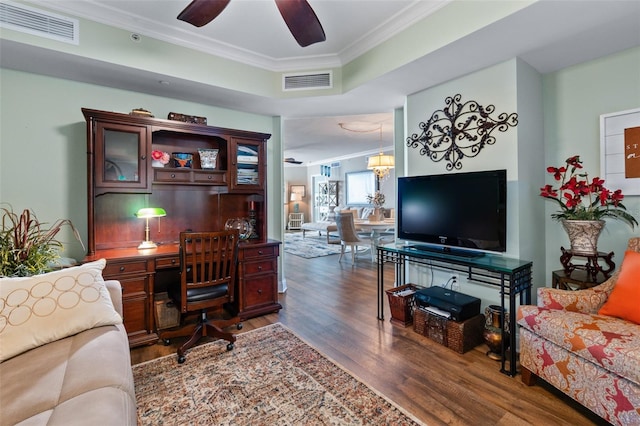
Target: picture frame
point(298, 189)
point(620, 150)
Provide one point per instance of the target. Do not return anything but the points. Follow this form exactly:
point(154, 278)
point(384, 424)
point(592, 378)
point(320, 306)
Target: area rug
point(310, 246)
point(271, 377)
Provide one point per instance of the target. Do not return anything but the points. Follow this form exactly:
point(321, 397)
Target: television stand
point(446, 250)
point(511, 277)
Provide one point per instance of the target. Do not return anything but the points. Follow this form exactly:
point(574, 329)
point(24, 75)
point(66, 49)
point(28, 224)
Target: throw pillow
point(43, 308)
point(623, 300)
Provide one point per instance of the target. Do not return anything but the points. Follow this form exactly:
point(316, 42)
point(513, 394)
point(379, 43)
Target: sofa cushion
point(43, 308)
point(82, 379)
point(612, 343)
point(623, 300)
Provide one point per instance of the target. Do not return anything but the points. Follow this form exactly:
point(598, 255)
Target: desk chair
point(208, 265)
point(349, 236)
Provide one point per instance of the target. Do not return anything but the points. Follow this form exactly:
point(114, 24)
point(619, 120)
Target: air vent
point(307, 81)
point(25, 19)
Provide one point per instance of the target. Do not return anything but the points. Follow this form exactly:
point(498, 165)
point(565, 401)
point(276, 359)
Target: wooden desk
point(142, 273)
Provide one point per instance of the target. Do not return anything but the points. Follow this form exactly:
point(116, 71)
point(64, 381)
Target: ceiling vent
point(307, 81)
point(25, 19)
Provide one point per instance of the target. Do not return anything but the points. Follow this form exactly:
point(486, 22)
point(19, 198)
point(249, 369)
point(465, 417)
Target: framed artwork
point(298, 189)
point(620, 151)
point(358, 186)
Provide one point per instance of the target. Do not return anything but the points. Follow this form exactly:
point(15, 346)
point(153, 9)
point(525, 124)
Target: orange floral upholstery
point(593, 358)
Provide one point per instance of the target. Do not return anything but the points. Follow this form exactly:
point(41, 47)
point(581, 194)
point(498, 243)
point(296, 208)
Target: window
point(358, 186)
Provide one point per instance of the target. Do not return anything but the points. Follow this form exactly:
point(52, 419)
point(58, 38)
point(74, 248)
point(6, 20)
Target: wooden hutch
point(122, 180)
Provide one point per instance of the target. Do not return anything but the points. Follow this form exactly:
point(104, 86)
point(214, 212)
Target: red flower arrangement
point(160, 156)
point(580, 199)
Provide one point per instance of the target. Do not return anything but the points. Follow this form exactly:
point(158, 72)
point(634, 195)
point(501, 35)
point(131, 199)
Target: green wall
point(511, 87)
point(574, 99)
point(43, 161)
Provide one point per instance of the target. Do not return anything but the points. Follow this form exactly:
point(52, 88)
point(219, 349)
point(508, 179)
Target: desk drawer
point(250, 268)
point(116, 269)
point(211, 178)
point(167, 262)
point(260, 252)
point(135, 287)
point(260, 291)
point(172, 175)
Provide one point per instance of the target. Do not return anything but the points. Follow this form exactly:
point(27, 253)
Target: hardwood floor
point(332, 306)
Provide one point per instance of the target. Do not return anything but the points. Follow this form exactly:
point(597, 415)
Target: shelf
point(513, 278)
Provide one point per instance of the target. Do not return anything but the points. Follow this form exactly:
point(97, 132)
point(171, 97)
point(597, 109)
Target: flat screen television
point(461, 213)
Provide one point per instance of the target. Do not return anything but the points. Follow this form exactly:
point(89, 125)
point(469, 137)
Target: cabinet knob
point(259, 268)
point(143, 157)
point(259, 291)
point(259, 251)
point(173, 261)
point(122, 269)
point(209, 177)
point(173, 175)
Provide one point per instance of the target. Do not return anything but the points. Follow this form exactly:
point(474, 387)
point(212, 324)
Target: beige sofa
point(82, 379)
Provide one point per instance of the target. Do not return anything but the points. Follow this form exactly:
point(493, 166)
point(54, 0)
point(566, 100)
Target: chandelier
point(381, 164)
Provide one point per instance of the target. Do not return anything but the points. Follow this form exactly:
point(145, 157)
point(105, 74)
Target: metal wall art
point(459, 130)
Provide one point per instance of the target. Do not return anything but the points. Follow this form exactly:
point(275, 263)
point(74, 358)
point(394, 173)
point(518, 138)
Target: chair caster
point(166, 342)
point(181, 359)
point(239, 326)
point(229, 347)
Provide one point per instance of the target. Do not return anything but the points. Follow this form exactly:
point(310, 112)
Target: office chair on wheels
point(208, 265)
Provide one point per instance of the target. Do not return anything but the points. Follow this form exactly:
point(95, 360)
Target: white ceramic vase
point(583, 235)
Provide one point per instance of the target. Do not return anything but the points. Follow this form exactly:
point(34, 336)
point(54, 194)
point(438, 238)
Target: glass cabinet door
point(121, 156)
point(248, 167)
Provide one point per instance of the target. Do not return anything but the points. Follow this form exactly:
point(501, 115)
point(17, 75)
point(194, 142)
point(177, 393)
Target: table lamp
point(147, 213)
point(296, 197)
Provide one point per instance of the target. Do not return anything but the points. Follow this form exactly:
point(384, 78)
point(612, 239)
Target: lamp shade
point(295, 196)
point(381, 161)
point(151, 212)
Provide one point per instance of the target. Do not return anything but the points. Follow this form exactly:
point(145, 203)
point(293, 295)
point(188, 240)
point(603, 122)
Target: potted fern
point(27, 246)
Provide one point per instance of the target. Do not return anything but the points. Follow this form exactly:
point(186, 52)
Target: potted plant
point(377, 199)
point(27, 246)
point(583, 205)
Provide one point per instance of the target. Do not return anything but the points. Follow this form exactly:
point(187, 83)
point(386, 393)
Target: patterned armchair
point(595, 359)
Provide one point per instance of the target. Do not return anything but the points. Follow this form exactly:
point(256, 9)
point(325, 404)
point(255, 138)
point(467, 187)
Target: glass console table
point(512, 277)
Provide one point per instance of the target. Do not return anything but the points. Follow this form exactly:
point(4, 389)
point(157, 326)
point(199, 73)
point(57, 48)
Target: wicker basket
point(459, 336)
point(167, 314)
point(401, 303)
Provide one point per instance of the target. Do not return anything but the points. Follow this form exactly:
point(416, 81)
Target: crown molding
point(96, 11)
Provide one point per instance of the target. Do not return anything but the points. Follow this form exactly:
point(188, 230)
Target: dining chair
point(208, 265)
point(349, 236)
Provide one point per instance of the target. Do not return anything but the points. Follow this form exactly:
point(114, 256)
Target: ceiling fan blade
point(302, 21)
point(201, 12)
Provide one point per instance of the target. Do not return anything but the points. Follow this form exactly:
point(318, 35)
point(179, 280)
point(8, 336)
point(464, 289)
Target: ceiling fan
point(297, 14)
point(291, 160)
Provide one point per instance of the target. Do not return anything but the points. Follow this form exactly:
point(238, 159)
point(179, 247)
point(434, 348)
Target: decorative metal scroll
point(459, 130)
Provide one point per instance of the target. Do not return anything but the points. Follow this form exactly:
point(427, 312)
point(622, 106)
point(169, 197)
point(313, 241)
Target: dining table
point(378, 230)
